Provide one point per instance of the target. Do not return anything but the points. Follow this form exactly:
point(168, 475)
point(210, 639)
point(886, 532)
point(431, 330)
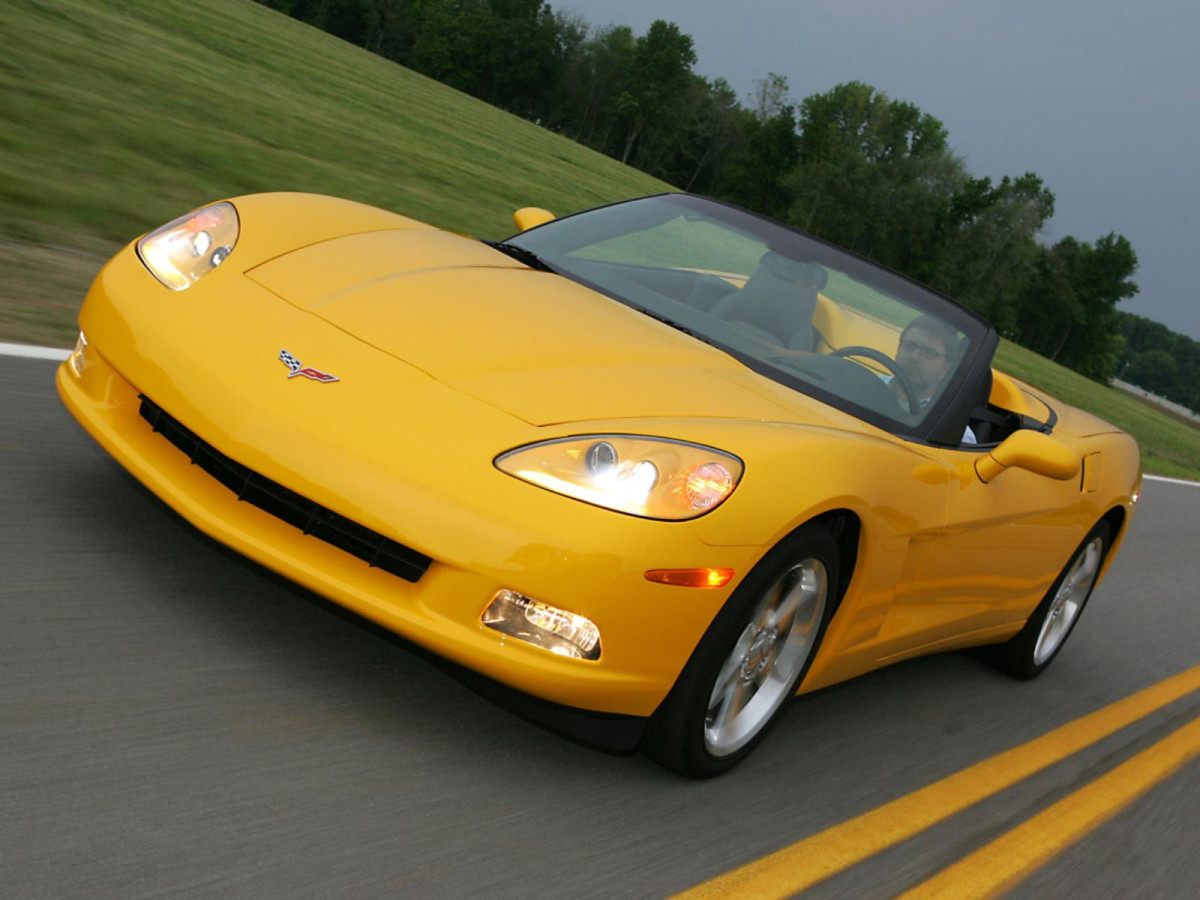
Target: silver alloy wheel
point(1068, 600)
point(761, 670)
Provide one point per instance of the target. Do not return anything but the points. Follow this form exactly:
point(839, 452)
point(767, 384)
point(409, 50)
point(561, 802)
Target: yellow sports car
point(661, 464)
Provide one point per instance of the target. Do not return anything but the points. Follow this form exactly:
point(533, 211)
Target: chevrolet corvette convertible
point(664, 463)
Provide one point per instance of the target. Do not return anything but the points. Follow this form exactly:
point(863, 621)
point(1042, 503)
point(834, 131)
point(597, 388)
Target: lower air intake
point(311, 518)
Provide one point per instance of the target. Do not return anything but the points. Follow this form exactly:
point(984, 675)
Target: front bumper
point(508, 535)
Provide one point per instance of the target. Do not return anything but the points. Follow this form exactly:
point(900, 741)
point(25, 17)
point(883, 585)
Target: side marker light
point(701, 578)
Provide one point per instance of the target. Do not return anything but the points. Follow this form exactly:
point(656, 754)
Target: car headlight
point(657, 478)
point(186, 249)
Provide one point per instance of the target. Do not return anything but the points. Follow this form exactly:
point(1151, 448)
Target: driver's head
point(926, 354)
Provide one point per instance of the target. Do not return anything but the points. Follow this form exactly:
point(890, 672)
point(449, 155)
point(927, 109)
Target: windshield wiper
point(679, 326)
point(520, 254)
point(659, 317)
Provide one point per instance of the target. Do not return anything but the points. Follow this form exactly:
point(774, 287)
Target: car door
point(1003, 544)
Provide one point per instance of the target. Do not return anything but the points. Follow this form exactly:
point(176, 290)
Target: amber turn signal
point(701, 578)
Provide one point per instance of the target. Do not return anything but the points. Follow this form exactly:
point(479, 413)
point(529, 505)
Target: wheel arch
point(669, 733)
point(846, 528)
point(1117, 518)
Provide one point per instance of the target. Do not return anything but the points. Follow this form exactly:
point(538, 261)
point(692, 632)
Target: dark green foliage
point(1160, 360)
point(656, 80)
point(758, 169)
point(709, 132)
point(874, 175)
point(987, 249)
point(1067, 311)
point(1154, 370)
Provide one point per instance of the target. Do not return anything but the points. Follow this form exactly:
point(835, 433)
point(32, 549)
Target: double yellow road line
point(1013, 856)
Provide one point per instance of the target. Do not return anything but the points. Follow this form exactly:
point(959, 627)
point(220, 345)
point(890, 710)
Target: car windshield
point(795, 309)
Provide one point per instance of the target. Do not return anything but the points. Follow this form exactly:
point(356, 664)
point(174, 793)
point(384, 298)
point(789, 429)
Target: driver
point(926, 355)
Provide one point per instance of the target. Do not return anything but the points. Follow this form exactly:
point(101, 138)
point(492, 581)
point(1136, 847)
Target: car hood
point(531, 343)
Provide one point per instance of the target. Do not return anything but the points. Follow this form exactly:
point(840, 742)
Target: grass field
point(118, 117)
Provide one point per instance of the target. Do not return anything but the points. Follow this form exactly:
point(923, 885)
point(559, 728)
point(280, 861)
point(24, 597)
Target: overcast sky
point(1100, 98)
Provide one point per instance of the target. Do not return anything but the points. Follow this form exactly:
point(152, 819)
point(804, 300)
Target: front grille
point(311, 518)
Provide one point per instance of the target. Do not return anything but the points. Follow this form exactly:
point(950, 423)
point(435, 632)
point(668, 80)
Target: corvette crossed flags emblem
point(298, 368)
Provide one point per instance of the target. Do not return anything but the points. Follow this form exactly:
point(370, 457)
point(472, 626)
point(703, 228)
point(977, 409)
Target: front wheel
point(1029, 653)
point(749, 662)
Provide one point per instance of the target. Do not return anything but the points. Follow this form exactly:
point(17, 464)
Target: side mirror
point(1032, 451)
point(531, 216)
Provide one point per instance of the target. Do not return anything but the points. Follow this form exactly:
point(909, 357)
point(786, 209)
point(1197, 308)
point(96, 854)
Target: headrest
point(804, 274)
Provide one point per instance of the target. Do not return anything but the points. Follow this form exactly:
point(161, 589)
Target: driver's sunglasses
point(922, 350)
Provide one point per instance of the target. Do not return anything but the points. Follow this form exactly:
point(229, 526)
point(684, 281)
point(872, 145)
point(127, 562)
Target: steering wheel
point(888, 363)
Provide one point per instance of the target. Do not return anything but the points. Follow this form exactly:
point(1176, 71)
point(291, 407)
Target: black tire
point(757, 650)
point(1033, 648)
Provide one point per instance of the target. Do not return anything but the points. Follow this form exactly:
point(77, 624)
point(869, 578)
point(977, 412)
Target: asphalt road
point(176, 722)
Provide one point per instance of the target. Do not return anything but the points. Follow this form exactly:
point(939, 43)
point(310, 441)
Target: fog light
point(78, 355)
point(543, 625)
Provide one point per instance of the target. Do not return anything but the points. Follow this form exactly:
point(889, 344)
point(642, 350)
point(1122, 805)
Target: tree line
point(1159, 360)
point(851, 165)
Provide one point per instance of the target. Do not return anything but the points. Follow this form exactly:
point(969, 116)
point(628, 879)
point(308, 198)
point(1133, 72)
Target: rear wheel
point(1033, 648)
point(739, 680)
